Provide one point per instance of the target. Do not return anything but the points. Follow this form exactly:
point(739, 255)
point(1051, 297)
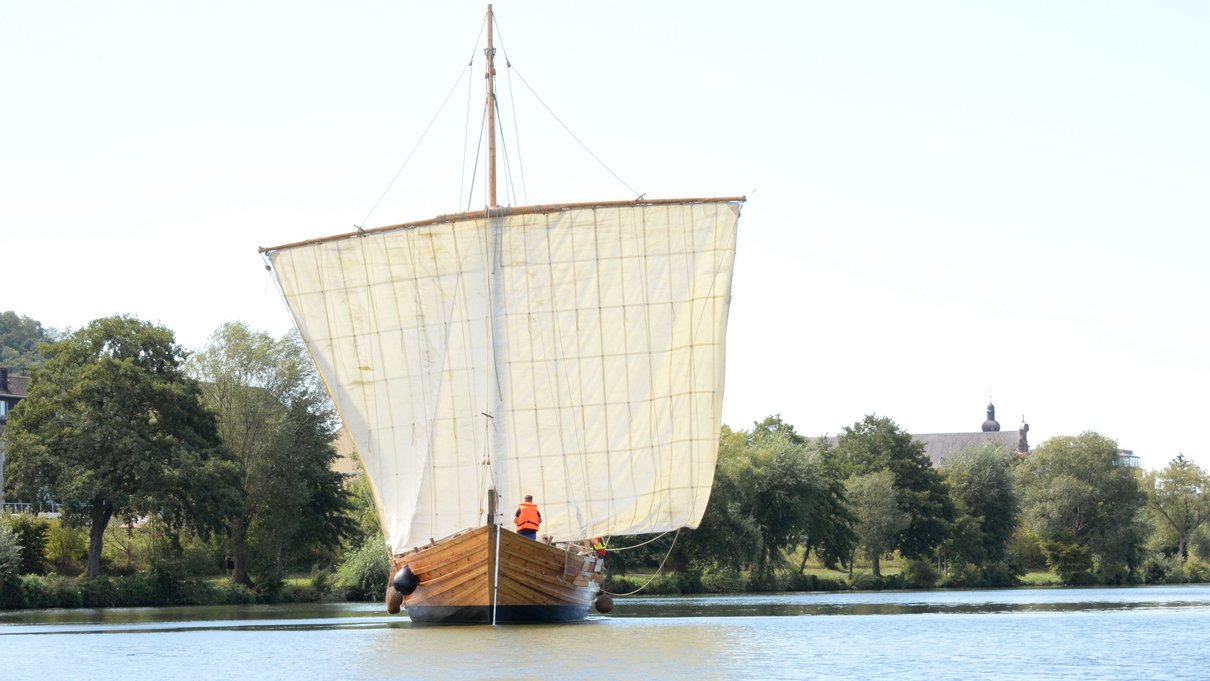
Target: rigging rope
point(441, 108)
point(411, 153)
point(508, 186)
point(573, 135)
point(513, 102)
point(475, 166)
point(657, 570)
point(466, 126)
point(656, 538)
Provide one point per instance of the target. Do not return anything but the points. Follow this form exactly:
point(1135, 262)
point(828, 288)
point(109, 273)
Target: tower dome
point(991, 425)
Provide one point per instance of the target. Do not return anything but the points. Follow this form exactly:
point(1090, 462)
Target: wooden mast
point(491, 114)
point(493, 544)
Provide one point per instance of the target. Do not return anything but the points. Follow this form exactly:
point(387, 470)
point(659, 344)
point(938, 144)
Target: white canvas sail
point(576, 354)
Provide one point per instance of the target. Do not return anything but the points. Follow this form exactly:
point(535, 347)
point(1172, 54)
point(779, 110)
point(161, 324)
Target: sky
point(948, 202)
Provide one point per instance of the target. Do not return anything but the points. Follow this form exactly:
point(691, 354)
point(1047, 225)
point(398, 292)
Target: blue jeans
point(529, 534)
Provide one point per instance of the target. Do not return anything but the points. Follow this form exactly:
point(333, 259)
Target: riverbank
point(157, 589)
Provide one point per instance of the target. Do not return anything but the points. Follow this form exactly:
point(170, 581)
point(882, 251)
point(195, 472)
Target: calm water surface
point(1126, 633)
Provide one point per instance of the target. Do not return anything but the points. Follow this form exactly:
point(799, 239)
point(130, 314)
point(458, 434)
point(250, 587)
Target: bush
point(722, 581)
point(365, 572)
point(800, 582)
point(1004, 573)
point(867, 582)
point(1026, 550)
point(1160, 569)
point(920, 574)
point(314, 589)
point(1156, 569)
point(1072, 562)
point(764, 582)
point(51, 591)
point(31, 532)
point(66, 549)
point(10, 553)
point(1197, 571)
point(661, 585)
point(963, 576)
point(1199, 543)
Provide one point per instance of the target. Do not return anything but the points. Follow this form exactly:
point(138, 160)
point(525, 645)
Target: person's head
point(529, 497)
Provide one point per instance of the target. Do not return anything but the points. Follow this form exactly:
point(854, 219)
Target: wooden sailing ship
point(574, 352)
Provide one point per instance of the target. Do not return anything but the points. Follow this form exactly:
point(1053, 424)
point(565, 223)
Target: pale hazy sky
point(947, 200)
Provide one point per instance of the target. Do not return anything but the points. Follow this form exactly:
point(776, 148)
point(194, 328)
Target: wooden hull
point(537, 582)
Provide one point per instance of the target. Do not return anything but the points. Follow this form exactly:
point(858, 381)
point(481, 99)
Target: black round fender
point(405, 581)
point(604, 603)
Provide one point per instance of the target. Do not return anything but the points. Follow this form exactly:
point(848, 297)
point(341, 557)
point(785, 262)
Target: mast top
point(491, 113)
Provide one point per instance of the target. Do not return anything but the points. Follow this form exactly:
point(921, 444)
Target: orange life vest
point(598, 545)
point(527, 516)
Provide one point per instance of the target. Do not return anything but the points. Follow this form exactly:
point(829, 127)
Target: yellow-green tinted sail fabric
point(576, 355)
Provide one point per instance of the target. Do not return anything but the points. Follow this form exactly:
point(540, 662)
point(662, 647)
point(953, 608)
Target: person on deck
point(527, 518)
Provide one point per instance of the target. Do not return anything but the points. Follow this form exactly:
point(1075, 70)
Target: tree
point(10, 554)
point(1074, 493)
point(1177, 497)
point(728, 535)
point(786, 490)
point(980, 481)
point(829, 519)
point(111, 426)
point(880, 520)
point(877, 443)
point(771, 492)
point(278, 423)
point(20, 338)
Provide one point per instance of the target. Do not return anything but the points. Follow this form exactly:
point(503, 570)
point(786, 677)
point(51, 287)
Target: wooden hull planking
point(537, 582)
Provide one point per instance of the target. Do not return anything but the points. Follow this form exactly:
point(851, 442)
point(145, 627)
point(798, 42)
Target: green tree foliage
point(772, 492)
point(10, 554)
point(32, 533)
point(980, 481)
point(111, 427)
point(728, 535)
point(66, 549)
point(829, 519)
point(20, 338)
point(1071, 561)
point(365, 516)
point(277, 422)
point(877, 443)
point(1074, 494)
point(1178, 497)
point(787, 487)
point(880, 520)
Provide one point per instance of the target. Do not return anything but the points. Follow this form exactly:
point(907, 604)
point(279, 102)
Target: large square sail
point(573, 353)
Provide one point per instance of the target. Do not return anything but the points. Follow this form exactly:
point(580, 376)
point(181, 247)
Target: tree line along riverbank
point(206, 477)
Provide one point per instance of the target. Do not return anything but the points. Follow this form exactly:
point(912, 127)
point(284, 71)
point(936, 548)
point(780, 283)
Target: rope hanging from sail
point(658, 570)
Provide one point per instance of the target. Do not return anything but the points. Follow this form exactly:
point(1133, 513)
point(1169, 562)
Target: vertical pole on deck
point(492, 505)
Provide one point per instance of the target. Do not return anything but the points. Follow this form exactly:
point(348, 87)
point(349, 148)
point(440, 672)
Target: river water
point(1123, 633)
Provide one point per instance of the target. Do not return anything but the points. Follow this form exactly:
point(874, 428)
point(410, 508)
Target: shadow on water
point(991, 601)
point(352, 616)
point(295, 617)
